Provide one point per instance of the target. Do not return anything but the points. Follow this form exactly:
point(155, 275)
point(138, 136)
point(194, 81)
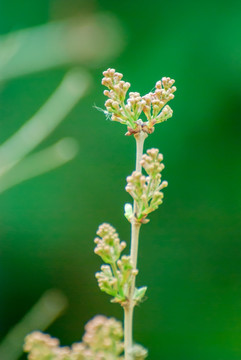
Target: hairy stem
point(135, 229)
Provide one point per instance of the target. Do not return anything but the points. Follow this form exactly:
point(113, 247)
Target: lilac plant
point(104, 338)
point(140, 114)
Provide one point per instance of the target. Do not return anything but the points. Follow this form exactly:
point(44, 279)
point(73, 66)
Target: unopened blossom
point(146, 190)
point(138, 113)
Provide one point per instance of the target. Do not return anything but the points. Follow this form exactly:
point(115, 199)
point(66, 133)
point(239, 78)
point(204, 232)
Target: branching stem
point(135, 229)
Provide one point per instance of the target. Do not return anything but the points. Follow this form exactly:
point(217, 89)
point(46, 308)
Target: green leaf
point(128, 211)
point(139, 294)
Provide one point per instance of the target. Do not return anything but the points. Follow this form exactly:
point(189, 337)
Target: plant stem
point(135, 229)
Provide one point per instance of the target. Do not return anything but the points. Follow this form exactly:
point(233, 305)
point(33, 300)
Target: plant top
point(128, 111)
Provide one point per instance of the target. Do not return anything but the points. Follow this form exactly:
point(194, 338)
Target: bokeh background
point(190, 252)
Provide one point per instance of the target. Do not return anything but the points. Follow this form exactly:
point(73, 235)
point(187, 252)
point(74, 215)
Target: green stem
point(114, 269)
point(115, 273)
point(135, 229)
point(127, 114)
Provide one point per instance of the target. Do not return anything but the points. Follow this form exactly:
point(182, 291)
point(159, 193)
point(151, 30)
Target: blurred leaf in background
point(90, 41)
point(76, 41)
point(48, 308)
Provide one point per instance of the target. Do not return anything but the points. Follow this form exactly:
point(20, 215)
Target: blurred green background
point(190, 252)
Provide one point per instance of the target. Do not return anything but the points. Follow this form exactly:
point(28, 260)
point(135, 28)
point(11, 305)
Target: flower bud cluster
point(128, 112)
point(114, 278)
point(104, 335)
point(116, 94)
point(146, 190)
point(102, 341)
point(152, 163)
point(108, 243)
point(43, 347)
point(116, 274)
point(155, 109)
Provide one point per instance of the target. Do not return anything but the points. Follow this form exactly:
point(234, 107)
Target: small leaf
point(138, 352)
point(128, 211)
point(139, 294)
